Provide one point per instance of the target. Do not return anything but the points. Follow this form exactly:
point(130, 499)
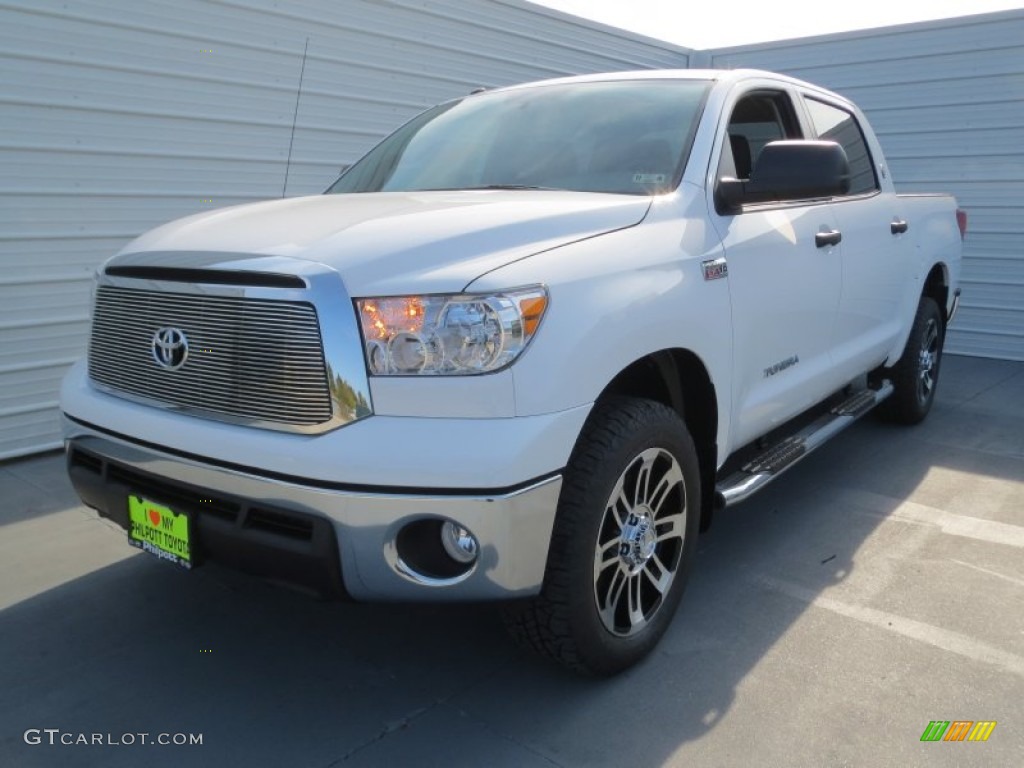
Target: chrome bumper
point(513, 528)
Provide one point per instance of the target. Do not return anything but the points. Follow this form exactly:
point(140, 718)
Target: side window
point(757, 119)
point(838, 125)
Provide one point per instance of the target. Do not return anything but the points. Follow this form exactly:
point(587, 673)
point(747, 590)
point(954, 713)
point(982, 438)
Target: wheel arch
point(679, 379)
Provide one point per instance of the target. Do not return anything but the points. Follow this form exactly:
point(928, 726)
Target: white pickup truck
point(524, 349)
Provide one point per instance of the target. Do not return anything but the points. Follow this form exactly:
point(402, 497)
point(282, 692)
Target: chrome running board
point(764, 468)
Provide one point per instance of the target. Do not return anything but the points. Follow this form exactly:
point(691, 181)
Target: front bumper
point(332, 541)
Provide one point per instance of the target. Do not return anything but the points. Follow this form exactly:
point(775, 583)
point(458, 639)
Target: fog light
point(459, 543)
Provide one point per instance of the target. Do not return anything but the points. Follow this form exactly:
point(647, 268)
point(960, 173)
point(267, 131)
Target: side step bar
point(764, 468)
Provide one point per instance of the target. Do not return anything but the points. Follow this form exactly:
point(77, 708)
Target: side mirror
point(788, 170)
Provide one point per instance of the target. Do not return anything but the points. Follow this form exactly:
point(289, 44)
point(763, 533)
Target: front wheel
point(623, 542)
point(916, 374)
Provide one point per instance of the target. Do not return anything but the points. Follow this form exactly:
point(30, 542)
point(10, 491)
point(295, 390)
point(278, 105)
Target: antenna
point(295, 118)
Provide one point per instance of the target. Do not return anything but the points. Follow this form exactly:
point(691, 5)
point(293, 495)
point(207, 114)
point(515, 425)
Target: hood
point(397, 242)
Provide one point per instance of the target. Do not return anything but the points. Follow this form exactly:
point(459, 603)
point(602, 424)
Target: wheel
point(916, 373)
point(623, 541)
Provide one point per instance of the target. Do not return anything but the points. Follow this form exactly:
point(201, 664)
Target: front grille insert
point(254, 360)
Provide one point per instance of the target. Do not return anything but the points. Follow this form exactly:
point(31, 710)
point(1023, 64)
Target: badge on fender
point(715, 269)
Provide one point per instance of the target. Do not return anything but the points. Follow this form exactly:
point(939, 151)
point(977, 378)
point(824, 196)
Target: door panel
point(785, 293)
point(785, 290)
point(876, 271)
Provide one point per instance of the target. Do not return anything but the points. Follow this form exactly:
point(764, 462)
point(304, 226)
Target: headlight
point(448, 335)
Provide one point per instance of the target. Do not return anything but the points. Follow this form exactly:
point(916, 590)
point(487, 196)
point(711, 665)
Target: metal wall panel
point(118, 116)
point(947, 101)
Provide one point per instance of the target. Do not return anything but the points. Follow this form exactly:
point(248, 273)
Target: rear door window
point(832, 123)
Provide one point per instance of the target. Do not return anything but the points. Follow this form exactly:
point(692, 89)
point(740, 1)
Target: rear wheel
point(916, 374)
point(623, 541)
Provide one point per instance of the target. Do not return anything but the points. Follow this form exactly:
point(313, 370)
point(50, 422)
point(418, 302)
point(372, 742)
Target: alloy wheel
point(639, 542)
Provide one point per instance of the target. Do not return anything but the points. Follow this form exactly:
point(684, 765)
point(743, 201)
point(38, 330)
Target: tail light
point(961, 222)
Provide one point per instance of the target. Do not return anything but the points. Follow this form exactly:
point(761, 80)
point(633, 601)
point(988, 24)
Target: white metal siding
point(118, 116)
point(947, 102)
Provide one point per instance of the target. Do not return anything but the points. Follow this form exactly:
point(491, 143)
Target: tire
point(623, 542)
point(916, 373)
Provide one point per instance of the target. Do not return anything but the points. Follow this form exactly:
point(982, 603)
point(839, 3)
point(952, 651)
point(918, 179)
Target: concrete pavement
point(875, 588)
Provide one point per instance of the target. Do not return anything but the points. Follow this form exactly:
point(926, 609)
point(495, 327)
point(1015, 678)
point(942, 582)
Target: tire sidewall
point(906, 406)
point(603, 651)
point(930, 311)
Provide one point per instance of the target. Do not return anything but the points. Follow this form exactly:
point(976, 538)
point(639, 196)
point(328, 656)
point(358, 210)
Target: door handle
point(830, 237)
point(899, 226)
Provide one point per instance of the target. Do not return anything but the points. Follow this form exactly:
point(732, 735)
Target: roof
point(717, 75)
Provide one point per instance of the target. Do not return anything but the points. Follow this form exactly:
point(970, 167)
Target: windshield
point(628, 137)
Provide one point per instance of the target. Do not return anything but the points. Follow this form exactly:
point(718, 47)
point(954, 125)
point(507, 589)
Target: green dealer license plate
point(159, 530)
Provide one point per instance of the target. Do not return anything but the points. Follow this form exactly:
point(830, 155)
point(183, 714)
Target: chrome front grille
point(258, 361)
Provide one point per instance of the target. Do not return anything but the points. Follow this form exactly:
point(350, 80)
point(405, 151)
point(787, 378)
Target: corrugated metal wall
point(117, 116)
point(947, 101)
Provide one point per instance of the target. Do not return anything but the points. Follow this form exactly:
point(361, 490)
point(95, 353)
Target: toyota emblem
point(170, 348)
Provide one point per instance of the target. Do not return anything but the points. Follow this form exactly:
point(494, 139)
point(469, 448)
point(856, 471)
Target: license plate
point(159, 530)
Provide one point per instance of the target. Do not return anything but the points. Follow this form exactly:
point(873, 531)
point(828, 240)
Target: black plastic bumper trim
point(260, 538)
